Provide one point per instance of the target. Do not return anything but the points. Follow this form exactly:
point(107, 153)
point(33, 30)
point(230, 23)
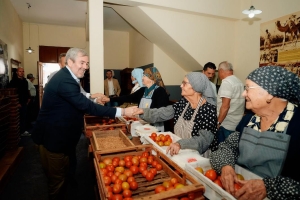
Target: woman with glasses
point(153, 95)
point(195, 115)
point(266, 142)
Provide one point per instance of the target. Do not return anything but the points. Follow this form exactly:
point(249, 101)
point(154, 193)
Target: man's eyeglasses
point(250, 87)
point(184, 83)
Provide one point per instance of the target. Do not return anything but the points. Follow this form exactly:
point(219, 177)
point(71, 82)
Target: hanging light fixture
point(29, 50)
point(251, 12)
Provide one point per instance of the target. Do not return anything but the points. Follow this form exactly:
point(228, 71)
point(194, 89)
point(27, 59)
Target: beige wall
point(116, 49)
point(171, 72)
point(11, 31)
point(141, 50)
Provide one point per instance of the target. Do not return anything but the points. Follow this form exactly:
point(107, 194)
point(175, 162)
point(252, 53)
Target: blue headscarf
point(137, 73)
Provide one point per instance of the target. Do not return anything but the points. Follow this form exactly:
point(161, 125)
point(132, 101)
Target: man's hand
point(96, 95)
point(228, 176)
point(129, 111)
point(251, 189)
point(138, 111)
point(102, 100)
point(173, 149)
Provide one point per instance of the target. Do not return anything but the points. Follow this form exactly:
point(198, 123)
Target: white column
point(96, 51)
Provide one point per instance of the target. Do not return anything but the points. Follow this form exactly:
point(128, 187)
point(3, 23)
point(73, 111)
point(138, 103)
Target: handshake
point(100, 98)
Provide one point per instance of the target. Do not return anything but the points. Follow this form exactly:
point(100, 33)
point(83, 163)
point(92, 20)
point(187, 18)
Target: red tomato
point(115, 163)
point(104, 171)
point(117, 173)
point(127, 193)
point(135, 161)
point(117, 197)
point(117, 188)
point(143, 160)
point(174, 181)
point(108, 188)
point(153, 138)
point(128, 173)
point(128, 164)
point(170, 188)
point(159, 189)
point(167, 184)
point(153, 171)
point(107, 180)
point(122, 177)
point(127, 158)
point(143, 165)
point(130, 179)
point(110, 195)
point(110, 174)
point(149, 160)
point(154, 163)
point(237, 187)
point(167, 143)
point(122, 163)
point(158, 167)
point(149, 176)
point(118, 181)
point(153, 135)
point(145, 154)
point(191, 196)
point(134, 169)
point(107, 161)
point(211, 174)
point(218, 182)
point(110, 168)
point(142, 168)
point(133, 185)
point(114, 178)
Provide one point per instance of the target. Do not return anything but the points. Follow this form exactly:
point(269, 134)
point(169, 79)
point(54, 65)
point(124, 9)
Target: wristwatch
point(219, 123)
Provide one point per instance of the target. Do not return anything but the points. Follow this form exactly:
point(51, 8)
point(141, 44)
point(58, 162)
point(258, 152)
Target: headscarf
point(137, 73)
point(153, 74)
point(201, 84)
point(278, 82)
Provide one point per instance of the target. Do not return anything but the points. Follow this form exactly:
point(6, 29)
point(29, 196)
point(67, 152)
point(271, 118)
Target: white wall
point(141, 50)
point(116, 49)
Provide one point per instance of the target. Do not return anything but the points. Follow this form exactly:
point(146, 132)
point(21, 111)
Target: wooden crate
point(146, 189)
point(117, 133)
point(89, 130)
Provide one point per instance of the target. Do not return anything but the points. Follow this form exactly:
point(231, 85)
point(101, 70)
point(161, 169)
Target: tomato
point(199, 169)
point(115, 163)
point(144, 173)
point(128, 164)
point(218, 182)
point(161, 135)
point(170, 188)
point(127, 158)
point(143, 165)
point(122, 177)
point(128, 173)
point(167, 184)
point(117, 188)
point(142, 168)
point(153, 171)
point(153, 138)
point(117, 197)
point(191, 195)
point(135, 161)
point(160, 143)
point(110, 195)
point(163, 138)
point(174, 181)
point(120, 169)
point(145, 154)
point(110, 173)
point(134, 169)
point(114, 178)
point(184, 198)
point(110, 168)
point(107, 161)
point(118, 173)
point(153, 135)
point(108, 188)
point(167, 143)
point(157, 139)
point(130, 179)
point(149, 176)
point(240, 177)
point(237, 187)
point(154, 163)
point(102, 165)
point(133, 185)
point(122, 163)
point(158, 167)
point(125, 186)
point(159, 189)
point(211, 174)
point(127, 193)
point(178, 185)
point(118, 181)
point(104, 171)
point(143, 160)
point(107, 180)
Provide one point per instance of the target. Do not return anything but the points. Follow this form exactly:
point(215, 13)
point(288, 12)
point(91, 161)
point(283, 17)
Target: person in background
point(136, 78)
point(231, 104)
point(195, 115)
point(62, 64)
point(266, 142)
point(21, 84)
point(32, 102)
point(60, 121)
point(209, 70)
point(153, 95)
point(111, 88)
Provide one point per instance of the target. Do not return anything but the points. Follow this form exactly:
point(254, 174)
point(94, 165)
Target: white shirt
point(214, 88)
point(31, 88)
point(232, 88)
point(111, 90)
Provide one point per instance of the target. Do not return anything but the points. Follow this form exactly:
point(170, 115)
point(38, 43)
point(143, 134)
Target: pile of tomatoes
point(161, 139)
point(118, 173)
point(213, 176)
point(106, 122)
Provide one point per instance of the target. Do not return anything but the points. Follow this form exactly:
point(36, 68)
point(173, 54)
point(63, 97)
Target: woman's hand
point(228, 177)
point(173, 149)
point(129, 111)
point(102, 100)
point(251, 189)
point(138, 111)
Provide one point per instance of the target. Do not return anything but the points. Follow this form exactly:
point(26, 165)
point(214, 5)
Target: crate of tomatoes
point(144, 173)
point(93, 123)
point(204, 173)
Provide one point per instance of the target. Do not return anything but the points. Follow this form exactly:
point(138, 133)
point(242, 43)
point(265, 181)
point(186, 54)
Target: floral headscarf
point(153, 74)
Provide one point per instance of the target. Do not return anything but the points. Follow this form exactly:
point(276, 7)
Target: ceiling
point(65, 13)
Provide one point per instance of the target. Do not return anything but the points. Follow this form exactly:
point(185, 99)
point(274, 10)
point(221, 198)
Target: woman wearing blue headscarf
point(136, 78)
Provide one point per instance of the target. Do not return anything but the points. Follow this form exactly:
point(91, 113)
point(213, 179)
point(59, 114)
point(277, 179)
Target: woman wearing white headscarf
point(195, 115)
point(136, 78)
point(266, 142)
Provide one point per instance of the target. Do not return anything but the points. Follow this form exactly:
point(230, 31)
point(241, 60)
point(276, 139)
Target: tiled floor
point(28, 181)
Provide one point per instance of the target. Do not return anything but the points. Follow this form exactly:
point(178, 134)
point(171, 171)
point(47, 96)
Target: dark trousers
point(23, 115)
point(222, 134)
point(56, 167)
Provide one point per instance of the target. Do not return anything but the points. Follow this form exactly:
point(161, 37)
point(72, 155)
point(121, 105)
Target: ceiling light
point(29, 50)
point(251, 12)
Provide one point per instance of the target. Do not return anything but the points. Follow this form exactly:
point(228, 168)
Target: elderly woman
point(267, 142)
point(195, 115)
point(153, 95)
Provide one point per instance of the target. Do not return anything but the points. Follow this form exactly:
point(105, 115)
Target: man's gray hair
point(73, 53)
point(227, 66)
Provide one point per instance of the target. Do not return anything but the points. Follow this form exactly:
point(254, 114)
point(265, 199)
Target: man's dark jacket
point(60, 121)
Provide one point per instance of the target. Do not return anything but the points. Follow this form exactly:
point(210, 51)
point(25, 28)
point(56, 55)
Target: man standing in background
point(231, 104)
point(209, 71)
point(111, 88)
point(21, 84)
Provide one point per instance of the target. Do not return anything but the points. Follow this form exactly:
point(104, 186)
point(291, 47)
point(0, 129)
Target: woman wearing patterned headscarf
point(195, 115)
point(153, 95)
point(267, 141)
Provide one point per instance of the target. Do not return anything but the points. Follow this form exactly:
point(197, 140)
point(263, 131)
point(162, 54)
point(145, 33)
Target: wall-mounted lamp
point(29, 50)
point(251, 12)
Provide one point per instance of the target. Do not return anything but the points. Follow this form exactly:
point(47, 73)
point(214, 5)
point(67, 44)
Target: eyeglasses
point(250, 87)
point(184, 83)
